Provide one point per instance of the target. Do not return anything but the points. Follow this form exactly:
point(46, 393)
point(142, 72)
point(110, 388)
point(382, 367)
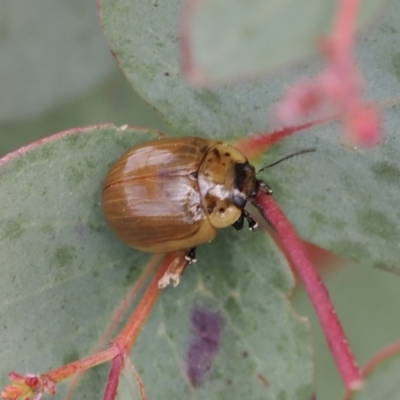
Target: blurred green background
point(57, 73)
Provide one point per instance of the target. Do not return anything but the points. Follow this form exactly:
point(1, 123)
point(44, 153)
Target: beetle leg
point(238, 225)
point(253, 224)
point(191, 255)
point(175, 270)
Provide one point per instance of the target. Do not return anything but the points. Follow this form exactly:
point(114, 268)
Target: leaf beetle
point(172, 194)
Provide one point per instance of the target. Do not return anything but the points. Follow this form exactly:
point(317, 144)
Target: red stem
point(59, 374)
point(113, 377)
point(127, 337)
point(344, 30)
point(258, 143)
point(135, 373)
point(376, 360)
point(117, 317)
point(379, 357)
point(316, 290)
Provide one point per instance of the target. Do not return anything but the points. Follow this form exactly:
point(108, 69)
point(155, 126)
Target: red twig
point(64, 372)
point(338, 87)
point(135, 373)
point(375, 361)
point(126, 339)
point(344, 31)
point(260, 142)
point(113, 378)
point(117, 317)
point(379, 357)
point(316, 290)
point(32, 386)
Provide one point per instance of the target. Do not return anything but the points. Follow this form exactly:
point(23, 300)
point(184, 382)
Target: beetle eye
point(240, 176)
point(239, 202)
point(244, 174)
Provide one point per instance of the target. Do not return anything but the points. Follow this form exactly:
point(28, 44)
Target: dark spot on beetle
point(223, 164)
point(211, 202)
point(206, 327)
point(227, 154)
point(245, 354)
point(221, 210)
point(166, 74)
point(217, 155)
point(194, 176)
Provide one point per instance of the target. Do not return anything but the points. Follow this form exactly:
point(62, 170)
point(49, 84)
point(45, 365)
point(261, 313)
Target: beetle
point(173, 194)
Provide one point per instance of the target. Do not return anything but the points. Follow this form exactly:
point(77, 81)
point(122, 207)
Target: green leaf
point(50, 51)
point(342, 199)
point(231, 39)
point(383, 383)
point(121, 105)
point(128, 385)
point(64, 272)
point(143, 37)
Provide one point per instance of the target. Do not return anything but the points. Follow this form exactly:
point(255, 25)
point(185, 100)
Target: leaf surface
point(50, 52)
point(64, 272)
point(231, 39)
point(343, 199)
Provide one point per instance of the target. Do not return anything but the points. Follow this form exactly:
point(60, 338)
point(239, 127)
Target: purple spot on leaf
point(206, 327)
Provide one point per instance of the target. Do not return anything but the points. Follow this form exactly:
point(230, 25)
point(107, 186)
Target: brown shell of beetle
point(172, 194)
point(151, 197)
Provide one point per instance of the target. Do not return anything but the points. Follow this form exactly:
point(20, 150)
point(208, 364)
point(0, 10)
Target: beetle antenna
point(287, 157)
